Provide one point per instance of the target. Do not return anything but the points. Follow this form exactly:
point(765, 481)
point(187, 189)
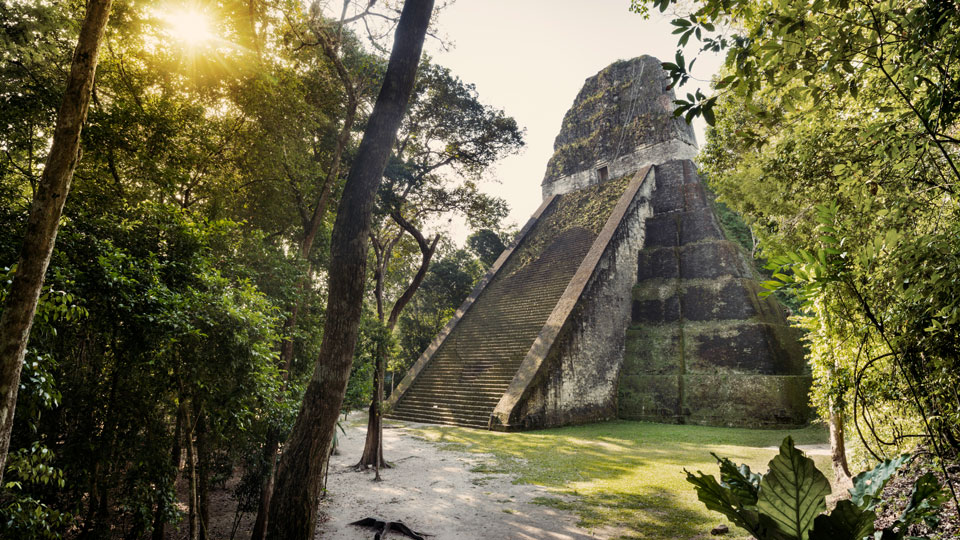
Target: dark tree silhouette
point(298, 487)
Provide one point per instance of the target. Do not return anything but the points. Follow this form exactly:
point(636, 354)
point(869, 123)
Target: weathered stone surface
point(719, 326)
point(461, 378)
point(737, 346)
point(718, 300)
point(658, 263)
point(652, 398)
point(713, 259)
point(698, 225)
point(656, 310)
point(669, 200)
point(654, 350)
point(663, 231)
point(570, 374)
point(695, 196)
point(622, 119)
point(746, 400)
point(671, 176)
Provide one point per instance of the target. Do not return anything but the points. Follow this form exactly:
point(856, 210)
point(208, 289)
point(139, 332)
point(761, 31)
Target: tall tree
point(299, 474)
point(447, 142)
point(318, 184)
point(45, 212)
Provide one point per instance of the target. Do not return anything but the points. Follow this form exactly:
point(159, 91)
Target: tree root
point(383, 527)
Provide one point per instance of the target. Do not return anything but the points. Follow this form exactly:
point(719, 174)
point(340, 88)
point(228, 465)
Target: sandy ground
point(433, 491)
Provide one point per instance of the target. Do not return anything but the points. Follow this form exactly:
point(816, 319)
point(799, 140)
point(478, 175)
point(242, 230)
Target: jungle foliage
point(835, 133)
point(789, 501)
point(179, 274)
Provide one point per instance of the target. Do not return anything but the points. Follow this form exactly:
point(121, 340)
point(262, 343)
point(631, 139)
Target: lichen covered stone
point(625, 106)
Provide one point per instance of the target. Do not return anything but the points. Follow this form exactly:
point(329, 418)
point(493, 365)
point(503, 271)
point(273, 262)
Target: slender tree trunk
point(203, 476)
point(98, 521)
point(299, 478)
point(373, 445)
point(192, 519)
point(372, 455)
point(270, 450)
point(159, 522)
point(838, 451)
point(45, 212)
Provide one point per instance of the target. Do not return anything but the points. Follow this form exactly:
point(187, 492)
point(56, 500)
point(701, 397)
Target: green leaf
point(771, 285)
point(846, 522)
point(740, 480)
point(793, 492)
point(868, 485)
point(925, 500)
point(720, 499)
point(708, 115)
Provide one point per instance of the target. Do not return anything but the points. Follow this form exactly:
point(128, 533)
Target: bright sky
point(531, 57)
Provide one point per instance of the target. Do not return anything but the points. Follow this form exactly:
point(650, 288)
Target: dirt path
point(434, 492)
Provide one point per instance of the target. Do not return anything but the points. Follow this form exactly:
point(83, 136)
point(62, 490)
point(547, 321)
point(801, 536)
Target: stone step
point(443, 409)
point(444, 414)
point(479, 424)
point(431, 389)
point(476, 361)
point(475, 365)
point(468, 378)
point(451, 368)
point(485, 387)
point(454, 400)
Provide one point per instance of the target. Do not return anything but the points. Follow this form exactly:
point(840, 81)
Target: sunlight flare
point(191, 27)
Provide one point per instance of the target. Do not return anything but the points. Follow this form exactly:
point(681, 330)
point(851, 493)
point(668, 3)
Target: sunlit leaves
point(835, 132)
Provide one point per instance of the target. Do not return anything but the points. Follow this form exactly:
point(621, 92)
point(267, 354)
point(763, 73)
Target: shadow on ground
point(625, 478)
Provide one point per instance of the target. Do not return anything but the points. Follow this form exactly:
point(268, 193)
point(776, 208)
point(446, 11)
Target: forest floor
point(609, 480)
point(434, 491)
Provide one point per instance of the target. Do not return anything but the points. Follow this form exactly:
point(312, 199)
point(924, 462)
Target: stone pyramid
point(620, 297)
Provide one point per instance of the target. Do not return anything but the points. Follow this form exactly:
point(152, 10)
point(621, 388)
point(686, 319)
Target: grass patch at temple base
point(626, 477)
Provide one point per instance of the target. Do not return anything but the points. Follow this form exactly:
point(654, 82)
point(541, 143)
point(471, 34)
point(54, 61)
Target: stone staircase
point(475, 364)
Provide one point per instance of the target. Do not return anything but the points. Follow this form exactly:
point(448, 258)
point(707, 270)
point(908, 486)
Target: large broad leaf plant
point(789, 501)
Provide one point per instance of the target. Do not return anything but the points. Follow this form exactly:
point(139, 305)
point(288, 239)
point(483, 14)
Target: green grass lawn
point(626, 475)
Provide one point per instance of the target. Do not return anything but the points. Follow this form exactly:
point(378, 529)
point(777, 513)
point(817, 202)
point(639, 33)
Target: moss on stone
point(653, 349)
point(588, 208)
point(739, 400)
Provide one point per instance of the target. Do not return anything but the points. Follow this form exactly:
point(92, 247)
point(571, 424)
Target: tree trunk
point(203, 476)
point(192, 478)
point(159, 521)
point(838, 451)
point(266, 492)
point(373, 445)
point(45, 212)
point(299, 477)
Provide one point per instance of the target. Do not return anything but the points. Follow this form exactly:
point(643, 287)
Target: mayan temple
point(620, 297)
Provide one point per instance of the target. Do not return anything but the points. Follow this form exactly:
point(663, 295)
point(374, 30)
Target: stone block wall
point(703, 347)
point(570, 375)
